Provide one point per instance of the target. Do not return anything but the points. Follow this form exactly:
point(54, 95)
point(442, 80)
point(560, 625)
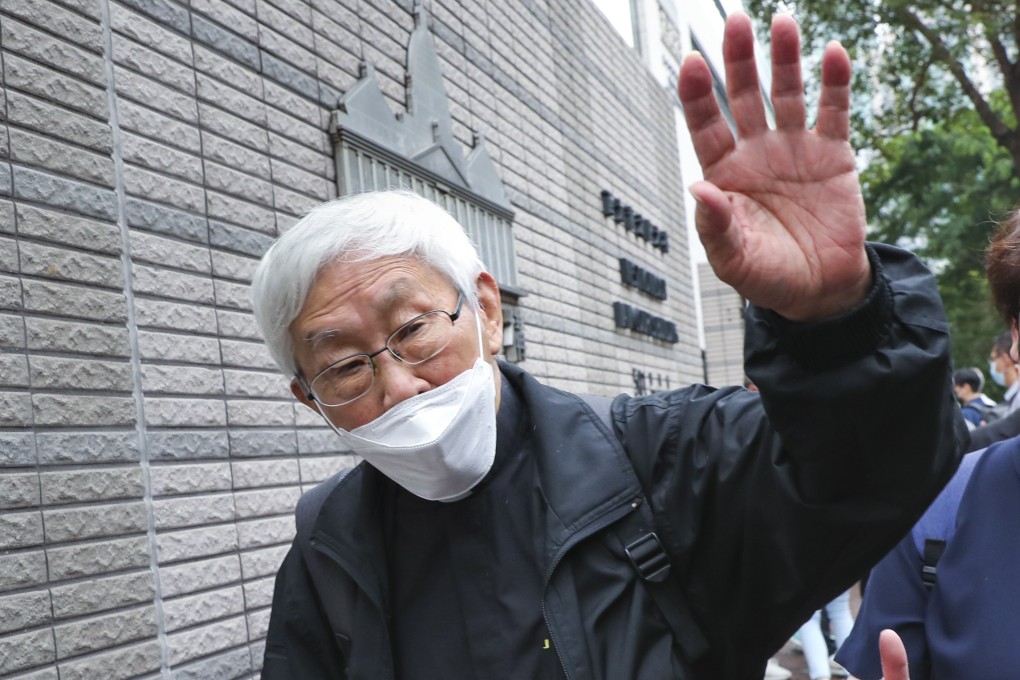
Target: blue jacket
point(968, 624)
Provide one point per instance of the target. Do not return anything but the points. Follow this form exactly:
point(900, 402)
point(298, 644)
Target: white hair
point(356, 228)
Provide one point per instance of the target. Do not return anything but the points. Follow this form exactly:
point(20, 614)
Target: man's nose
point(398, 381)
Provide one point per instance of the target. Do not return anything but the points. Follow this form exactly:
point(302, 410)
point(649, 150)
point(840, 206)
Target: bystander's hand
point(894, 656)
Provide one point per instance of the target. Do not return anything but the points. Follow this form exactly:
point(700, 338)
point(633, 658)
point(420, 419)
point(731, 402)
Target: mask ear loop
point(318, 407)
point(478, 326)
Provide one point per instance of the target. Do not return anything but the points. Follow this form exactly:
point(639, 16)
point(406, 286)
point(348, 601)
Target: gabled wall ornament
point(423, 136)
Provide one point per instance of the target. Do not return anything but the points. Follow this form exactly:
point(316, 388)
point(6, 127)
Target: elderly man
point(501, 528)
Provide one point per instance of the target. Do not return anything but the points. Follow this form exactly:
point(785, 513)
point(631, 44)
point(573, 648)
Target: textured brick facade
point(150, 150)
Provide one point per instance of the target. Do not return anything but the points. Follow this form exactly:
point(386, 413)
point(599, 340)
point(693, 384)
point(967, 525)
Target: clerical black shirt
point(466, 577)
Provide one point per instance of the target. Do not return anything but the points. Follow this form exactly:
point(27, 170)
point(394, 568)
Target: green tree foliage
point(936, 98)
point(939, 190)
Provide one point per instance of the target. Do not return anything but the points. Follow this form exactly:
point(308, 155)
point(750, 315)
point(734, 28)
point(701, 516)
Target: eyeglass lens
point(415, 342)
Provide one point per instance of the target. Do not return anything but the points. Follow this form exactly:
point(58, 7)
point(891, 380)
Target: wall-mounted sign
point(641, 321)
point(648, 383)
point(514, 347)
point(642, 279)
point(634, 222)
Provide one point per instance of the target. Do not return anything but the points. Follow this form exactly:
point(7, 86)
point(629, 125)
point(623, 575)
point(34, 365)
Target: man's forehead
point(390, 295)
point(400, 290)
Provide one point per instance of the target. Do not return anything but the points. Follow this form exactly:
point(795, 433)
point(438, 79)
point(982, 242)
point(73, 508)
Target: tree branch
point(998, 129)
point(999, 50)
point(1009, 70)
point(1016, 23)
point(919, 81)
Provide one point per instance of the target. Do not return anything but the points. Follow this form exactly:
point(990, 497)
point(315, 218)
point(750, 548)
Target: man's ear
point(299, 392)
point(1015, 332)
point(490, 311)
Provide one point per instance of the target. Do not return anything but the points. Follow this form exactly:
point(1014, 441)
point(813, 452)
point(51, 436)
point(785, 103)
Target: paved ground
point(793, 661)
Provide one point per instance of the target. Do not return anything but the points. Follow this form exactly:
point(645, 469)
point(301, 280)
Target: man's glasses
point(414, 342)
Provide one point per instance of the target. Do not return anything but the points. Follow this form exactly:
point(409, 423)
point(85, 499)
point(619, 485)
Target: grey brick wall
point(150, 150)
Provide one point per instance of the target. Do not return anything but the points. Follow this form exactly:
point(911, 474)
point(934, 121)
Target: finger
point(787, 80)
point(710, 134)
point(834, 101)
point(713, 218)
point(893, 655)
point(742, 87)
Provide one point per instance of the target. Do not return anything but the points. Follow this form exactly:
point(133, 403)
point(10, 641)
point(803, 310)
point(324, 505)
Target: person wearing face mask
point(488, 532)
point(1002, 367)
point(1003, 371)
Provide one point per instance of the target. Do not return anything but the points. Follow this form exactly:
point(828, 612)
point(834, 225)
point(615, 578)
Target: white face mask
point(998, 377)
point(439, 444)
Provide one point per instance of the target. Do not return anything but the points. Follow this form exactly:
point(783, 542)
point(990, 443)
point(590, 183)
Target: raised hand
point(780, 212)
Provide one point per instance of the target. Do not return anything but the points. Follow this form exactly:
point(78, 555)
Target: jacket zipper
point(595, 526)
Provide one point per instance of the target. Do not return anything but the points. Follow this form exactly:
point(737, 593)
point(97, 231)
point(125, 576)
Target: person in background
point(776, 671)
point(1004, 371)
point(821, 665)
point(1007, 426)
point(946, 597)
point(975, 404)
point(499, 527)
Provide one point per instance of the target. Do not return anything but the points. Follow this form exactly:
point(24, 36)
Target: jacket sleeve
point(298, 646)
point(1003, 428)
point(771, 505)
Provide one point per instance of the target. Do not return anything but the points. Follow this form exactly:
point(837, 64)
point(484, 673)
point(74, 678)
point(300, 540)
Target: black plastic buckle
point(649, 558)
point(933, 549)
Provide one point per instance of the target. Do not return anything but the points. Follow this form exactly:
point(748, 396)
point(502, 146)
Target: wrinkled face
point(353, 309)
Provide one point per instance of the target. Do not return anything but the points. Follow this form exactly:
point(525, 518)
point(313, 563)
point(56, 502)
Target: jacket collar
point(571, 448)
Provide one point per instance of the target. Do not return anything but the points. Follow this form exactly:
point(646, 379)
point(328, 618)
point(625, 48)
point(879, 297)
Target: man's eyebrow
point(400, 291)
point(316, 338)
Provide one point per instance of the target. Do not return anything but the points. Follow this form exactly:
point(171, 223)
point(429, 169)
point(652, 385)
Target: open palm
point(780, 211)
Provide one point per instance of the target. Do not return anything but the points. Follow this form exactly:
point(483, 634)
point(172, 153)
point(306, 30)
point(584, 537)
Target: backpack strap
point(933, 549)
point(934, 531)
point(636, 532)
point(335, 592)
point(602, 406)
point(649, 558)
point(311, 502)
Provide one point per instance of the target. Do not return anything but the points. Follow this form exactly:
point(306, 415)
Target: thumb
point(893, 655)
point(713, 218)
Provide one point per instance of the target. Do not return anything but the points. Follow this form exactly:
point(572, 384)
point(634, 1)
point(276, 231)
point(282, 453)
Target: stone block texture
point(150, 151)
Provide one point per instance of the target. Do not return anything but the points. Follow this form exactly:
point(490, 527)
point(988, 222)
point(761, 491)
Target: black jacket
point(767, 506)
point(1002, 429)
